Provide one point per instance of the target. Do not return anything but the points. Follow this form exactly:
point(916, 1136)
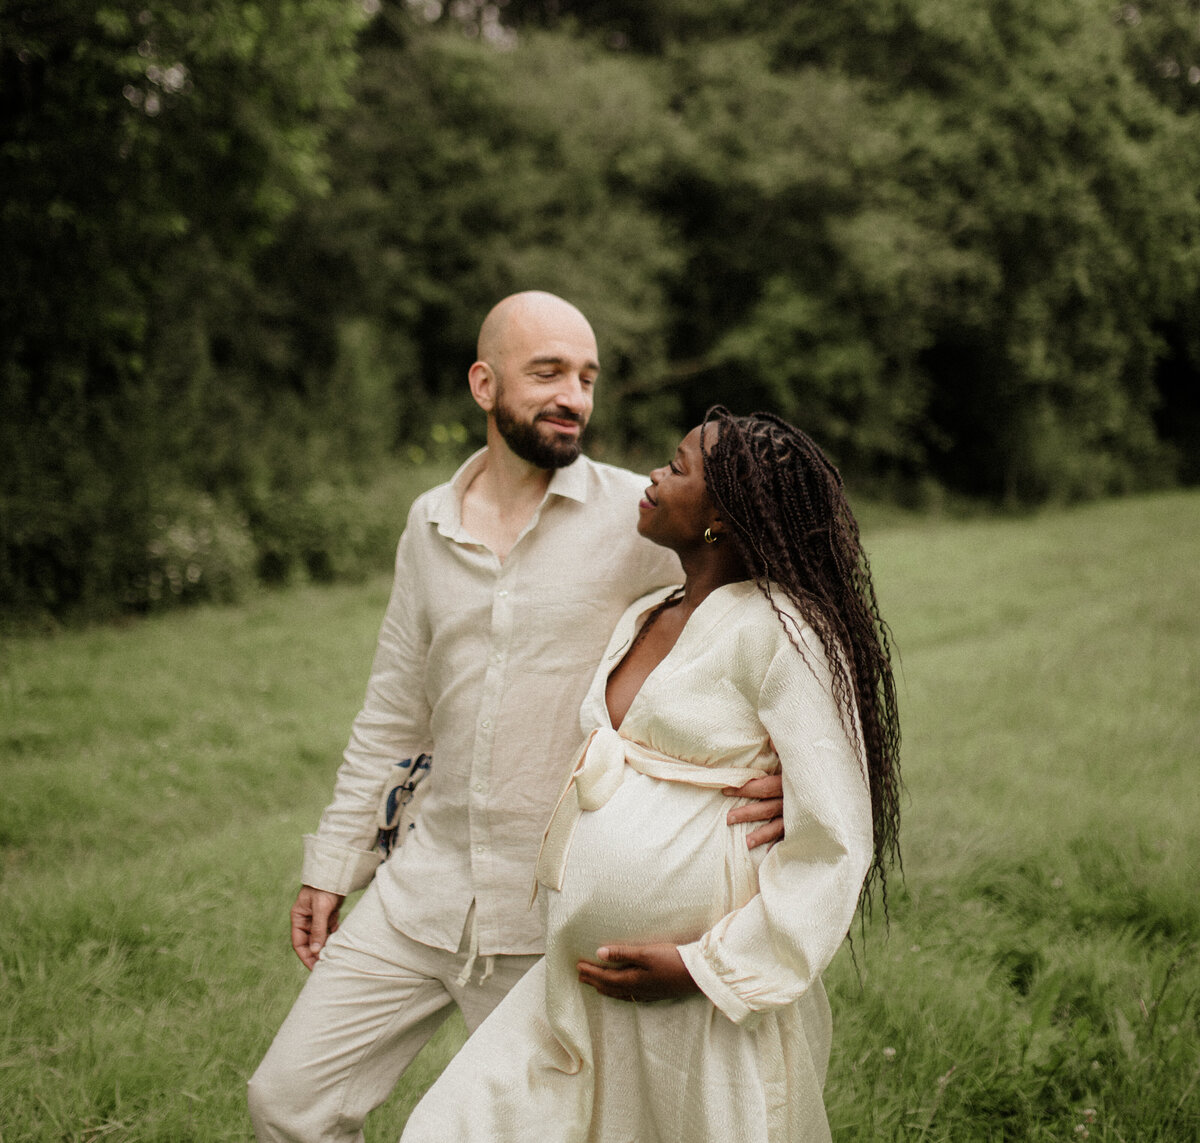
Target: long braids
point(793, 528)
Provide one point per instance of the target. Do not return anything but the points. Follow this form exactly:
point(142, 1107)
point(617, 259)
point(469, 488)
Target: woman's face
point(676, 508)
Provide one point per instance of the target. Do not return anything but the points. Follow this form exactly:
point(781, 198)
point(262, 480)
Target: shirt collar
point(571, 482)
point(446, 513)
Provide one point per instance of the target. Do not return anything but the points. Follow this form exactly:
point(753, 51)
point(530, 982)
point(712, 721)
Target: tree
point(1003, 213)
point(148, 153)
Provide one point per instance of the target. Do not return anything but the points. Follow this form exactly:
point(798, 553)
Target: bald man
point(509, 580)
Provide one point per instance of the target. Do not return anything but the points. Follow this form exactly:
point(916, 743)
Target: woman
point(680, 997)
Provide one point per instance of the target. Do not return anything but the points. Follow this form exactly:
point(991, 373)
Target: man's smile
point(562, 422)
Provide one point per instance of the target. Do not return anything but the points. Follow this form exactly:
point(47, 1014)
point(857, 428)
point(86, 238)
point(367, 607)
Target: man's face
point(548, 439)
point(544, 388)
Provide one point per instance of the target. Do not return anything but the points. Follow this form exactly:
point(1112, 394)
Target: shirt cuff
point(336, 868)
point(713, 986)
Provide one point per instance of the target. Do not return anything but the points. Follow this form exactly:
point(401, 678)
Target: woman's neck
point(705, 571)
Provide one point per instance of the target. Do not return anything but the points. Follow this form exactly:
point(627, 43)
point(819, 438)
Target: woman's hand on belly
point(638, 972)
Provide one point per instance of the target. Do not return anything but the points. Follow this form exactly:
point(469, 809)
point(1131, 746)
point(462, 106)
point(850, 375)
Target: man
point(508, 583)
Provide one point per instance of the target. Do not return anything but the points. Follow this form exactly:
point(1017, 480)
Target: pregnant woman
point(680, 998)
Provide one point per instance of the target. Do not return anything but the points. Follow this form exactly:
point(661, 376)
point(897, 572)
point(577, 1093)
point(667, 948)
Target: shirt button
point(502, 593)
point(479, 849)
point(479, 787)
point(486, 723)
point(497, 658)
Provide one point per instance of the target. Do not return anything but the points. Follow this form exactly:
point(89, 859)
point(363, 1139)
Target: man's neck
point(506, 480)
point(502, 498)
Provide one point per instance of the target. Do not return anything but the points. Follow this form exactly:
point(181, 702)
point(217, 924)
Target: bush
point(335, 531)
point(198, 550)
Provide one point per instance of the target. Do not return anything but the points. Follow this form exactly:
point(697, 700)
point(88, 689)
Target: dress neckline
point(686, 634)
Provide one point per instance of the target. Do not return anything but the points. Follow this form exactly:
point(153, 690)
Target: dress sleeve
point(393, 726)
point(767, 953)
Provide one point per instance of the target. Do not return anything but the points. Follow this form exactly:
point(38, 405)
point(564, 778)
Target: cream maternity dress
point(639, 851)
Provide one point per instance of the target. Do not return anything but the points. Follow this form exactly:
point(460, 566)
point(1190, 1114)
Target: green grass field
point(1040, 979)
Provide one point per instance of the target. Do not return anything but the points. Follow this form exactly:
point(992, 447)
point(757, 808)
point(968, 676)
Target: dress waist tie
point(597, 771)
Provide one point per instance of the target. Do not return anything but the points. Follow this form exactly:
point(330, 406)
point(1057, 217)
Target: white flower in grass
point(889, 1053)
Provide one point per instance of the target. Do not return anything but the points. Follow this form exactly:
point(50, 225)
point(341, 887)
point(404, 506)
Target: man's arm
point(394, 723)
point(767, 807)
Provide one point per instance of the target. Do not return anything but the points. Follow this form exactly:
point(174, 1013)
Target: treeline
point(247, 245)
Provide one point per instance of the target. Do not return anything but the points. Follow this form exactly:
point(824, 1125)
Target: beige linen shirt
point(483, 664)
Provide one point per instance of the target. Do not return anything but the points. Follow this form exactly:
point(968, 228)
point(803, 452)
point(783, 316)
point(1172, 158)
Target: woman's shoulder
point(768, 617)
point(760, 603)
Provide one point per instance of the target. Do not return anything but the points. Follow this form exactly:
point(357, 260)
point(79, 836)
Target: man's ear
point(482, 380)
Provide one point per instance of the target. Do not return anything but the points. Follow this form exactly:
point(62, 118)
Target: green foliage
point(248, 246)
point(196, 551)
point(326, 532)
point(148, 155)
point(960, 234)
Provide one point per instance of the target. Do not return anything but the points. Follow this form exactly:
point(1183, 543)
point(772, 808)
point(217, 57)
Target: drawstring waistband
point(489, 962)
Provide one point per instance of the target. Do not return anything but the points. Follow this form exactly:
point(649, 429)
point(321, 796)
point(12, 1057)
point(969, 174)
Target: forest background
point(247, 245)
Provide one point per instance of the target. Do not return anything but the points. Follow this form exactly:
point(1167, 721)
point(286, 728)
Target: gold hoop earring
point(709, 538)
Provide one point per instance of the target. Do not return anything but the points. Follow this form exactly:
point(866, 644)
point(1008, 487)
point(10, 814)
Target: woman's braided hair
point(789, 519)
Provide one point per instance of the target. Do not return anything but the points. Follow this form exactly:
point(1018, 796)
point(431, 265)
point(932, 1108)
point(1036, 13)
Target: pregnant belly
point(652, 864)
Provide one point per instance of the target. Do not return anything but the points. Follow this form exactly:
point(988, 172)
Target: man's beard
point(530, 445)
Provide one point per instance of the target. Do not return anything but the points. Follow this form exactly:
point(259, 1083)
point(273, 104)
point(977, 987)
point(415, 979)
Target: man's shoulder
point(437, 504)
point(426, 503)
point(610, 506)
point(440, 504)
point(614, 471)
point(609, 479)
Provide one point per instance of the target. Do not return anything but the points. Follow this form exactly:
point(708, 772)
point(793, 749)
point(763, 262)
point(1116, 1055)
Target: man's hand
point(314, 920)
point(767, 807)
point(638, 972)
